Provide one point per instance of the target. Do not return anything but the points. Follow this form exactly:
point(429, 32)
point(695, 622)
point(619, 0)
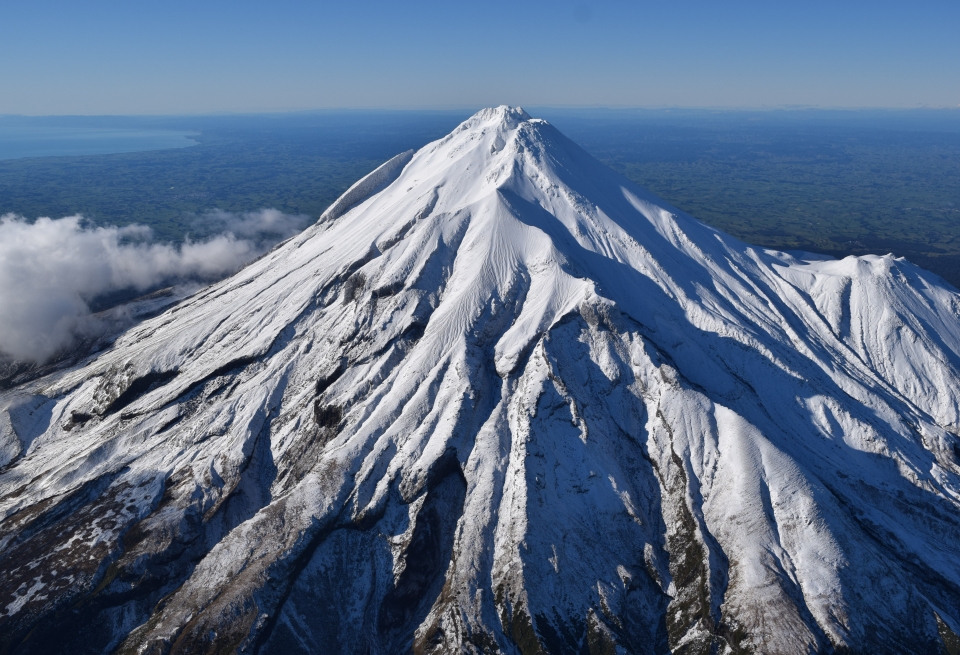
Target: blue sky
point(147, 57)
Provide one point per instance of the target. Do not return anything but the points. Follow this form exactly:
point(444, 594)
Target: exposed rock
point(500, 400)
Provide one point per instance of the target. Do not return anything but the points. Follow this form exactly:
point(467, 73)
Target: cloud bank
point(51, 269)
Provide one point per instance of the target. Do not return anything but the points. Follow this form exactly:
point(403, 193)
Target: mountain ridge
point(504, 401)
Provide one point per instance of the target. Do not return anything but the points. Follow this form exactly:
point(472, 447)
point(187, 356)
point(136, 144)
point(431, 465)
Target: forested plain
point(834, 182)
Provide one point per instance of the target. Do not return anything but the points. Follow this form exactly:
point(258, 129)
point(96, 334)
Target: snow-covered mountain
point(500, 399)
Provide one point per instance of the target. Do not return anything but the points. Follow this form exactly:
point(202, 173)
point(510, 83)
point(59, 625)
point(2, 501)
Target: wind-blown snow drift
point(510, 403)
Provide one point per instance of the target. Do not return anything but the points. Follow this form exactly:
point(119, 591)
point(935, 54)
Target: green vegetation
point(169, 189)
point(298, 164)
point(834, 189)
point(837, 183)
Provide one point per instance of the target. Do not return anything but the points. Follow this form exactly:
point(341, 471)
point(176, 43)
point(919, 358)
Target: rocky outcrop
point(508, 403)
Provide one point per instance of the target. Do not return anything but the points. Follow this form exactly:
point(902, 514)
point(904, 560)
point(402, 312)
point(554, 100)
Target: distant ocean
point(17, 141)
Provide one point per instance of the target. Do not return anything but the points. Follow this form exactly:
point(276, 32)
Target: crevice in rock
point(138, 388)
point(427, 555)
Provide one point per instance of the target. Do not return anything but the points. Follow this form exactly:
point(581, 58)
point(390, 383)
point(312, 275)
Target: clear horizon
point(111, 58)
point(471, 109)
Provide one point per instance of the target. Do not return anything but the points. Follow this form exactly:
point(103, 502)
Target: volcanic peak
point(500, 399)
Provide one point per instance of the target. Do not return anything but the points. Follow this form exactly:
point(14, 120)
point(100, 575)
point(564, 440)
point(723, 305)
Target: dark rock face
point(499, 401)
point(351, 568)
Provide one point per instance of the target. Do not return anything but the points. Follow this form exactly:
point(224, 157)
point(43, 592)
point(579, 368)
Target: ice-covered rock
point(500, 400)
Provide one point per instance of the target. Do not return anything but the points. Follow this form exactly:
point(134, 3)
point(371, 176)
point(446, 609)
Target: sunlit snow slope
point(500, 399)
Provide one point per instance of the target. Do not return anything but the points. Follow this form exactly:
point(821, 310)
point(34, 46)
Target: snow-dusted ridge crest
point(505, 401)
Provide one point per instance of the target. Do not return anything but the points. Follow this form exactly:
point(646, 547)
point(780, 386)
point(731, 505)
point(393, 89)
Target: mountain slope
point(499, 399)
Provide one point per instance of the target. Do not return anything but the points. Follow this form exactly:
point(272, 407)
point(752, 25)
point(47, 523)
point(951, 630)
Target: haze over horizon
point(493, 327)
point(178, 58)
point(497, 399)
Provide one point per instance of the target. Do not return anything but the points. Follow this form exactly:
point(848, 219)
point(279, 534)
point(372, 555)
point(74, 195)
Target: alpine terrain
point(498, 399)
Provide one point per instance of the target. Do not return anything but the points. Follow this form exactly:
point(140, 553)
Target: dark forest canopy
point(838, 182)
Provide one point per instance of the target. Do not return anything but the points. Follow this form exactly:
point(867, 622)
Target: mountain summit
point(499, 399)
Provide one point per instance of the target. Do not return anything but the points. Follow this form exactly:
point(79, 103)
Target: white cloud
point(256, 225)
point(51, 269)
